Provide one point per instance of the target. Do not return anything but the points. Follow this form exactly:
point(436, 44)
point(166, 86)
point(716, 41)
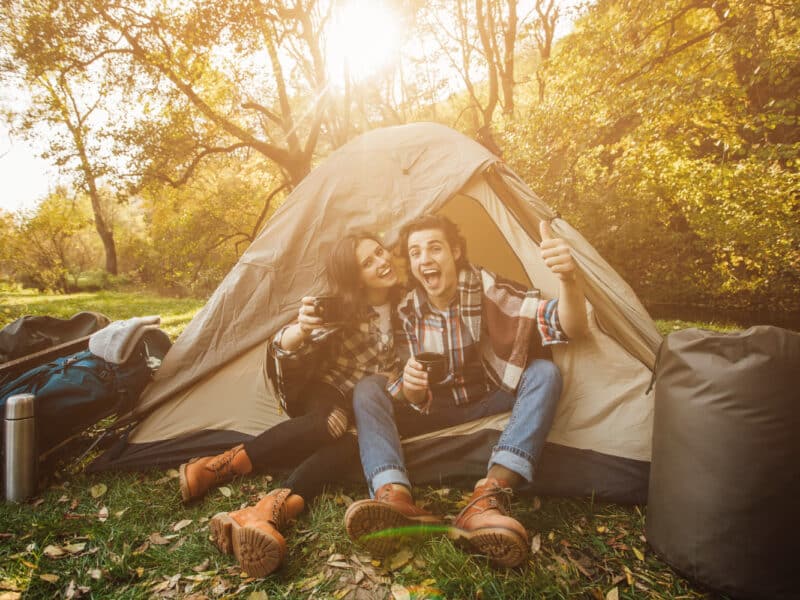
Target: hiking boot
point(377, 523)
point(201, 474)
point(253, 534)
point(487, 528)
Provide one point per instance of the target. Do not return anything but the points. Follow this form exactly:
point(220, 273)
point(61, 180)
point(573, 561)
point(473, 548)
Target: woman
point(362, 274)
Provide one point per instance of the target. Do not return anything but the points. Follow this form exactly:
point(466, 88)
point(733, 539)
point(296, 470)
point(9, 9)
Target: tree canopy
point(667, 132)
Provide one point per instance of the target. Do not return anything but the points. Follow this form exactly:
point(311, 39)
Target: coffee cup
point(434, 364)
point(329, 308)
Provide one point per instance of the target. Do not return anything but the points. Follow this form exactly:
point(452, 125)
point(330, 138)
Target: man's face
point(433, 263)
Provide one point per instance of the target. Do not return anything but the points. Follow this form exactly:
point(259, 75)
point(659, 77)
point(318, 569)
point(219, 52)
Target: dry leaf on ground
point(98, 490)
point(49, 577)
point(181, 524)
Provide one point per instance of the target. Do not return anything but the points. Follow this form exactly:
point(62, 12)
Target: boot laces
point(222, 465)
point(493, 497)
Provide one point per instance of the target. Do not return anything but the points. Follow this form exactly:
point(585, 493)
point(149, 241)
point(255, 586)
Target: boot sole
point(222, 528)
point(258, 553)
point(379, 528)
point(503, 547)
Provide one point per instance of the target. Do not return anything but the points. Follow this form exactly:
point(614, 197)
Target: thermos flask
point(20, 448)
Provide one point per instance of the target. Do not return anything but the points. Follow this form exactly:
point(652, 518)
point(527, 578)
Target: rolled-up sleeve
point(549, 326)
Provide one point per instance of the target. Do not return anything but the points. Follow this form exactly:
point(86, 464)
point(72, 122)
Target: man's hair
point(450, 230)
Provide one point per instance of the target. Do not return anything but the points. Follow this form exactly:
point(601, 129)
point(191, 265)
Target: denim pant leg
point(378, 437)
point(523, 438)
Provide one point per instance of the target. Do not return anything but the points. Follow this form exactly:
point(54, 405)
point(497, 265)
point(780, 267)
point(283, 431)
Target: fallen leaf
point(102, 514)
point(98, 490)
point(96, 574)
point(142, 547)
point(10, 595)
point(551, 536)
point(119, 513)
point(173, 473)
point(537, 503)
point(75, 548)
point(400, 559)
point(53, 551)
point(613, 594)
point(181, 524)
point(601, 529)
point(639, 554)
point(358, 577)
point(225, 491)
point(342, 592)
point(203, 566)
point(258, 595)
point(140, 571)
point(63, 498)
point(536, 543)
point(428, 583)
point(628, 575)
point(400, 593)
point(49, 577)
point(343, 500)
point(7, 584)
point(158, 539)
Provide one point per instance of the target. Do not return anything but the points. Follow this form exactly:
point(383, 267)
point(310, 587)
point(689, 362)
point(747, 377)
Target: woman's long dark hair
point(344, 274)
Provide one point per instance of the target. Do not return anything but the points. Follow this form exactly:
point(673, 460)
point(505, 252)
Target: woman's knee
point(337, 422)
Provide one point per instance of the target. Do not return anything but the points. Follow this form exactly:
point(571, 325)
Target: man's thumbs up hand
point(556, 253)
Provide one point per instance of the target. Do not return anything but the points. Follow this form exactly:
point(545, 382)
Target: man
point(484, 326)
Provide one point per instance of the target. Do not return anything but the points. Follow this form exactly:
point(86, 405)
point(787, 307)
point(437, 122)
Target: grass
point(126, 535)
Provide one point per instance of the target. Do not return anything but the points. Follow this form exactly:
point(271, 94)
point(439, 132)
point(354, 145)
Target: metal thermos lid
point(19, 406)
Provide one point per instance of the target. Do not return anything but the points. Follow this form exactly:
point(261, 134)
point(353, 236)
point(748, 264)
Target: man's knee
point(369, 391)
point(544, 373)
point(542, 369)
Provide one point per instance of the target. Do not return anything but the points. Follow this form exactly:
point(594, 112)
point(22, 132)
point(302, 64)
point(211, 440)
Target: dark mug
point(434, 364)
point(329, 308)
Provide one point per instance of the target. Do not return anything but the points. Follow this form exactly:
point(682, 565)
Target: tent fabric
point(212, 380)
point(725, 479)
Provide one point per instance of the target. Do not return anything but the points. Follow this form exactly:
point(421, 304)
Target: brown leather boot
point(201, 474)
point(486, 526)
point(378, 523)
point(253, 534)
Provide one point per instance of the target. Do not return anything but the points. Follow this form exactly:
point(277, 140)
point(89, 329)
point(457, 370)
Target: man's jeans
point(381, 422)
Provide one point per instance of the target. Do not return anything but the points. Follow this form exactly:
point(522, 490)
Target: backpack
point(74, 392)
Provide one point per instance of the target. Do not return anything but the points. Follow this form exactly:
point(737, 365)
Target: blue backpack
point(74, 392)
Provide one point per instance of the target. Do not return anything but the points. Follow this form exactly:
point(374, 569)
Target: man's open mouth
point(431, 275)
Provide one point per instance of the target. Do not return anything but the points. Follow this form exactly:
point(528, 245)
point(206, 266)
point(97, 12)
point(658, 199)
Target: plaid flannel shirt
point(485, 333)
point(355, 351)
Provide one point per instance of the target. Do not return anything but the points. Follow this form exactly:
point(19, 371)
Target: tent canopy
point(211, 389)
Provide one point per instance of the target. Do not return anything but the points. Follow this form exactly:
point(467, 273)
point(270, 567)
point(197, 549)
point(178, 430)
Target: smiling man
point(484, 326)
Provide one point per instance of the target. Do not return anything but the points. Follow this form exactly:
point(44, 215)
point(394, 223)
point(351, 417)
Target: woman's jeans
point(382, 421)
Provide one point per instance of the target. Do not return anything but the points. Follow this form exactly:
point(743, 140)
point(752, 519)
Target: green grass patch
point(127, 535)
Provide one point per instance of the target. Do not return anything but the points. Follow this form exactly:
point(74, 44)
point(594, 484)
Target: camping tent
point(211, 392)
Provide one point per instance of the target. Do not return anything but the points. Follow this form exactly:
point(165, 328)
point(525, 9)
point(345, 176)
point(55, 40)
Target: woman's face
point(375, 264)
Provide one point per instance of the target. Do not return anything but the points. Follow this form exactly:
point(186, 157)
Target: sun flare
point(363, 39)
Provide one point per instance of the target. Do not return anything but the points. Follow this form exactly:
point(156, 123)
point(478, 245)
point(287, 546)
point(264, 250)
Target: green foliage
point(50, 248)
point(670, 138)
